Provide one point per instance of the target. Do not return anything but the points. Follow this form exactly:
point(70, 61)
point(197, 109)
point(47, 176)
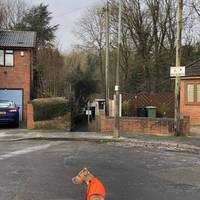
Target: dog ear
point(85, 171)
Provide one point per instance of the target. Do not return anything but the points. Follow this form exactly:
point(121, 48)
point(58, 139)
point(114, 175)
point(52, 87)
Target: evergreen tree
point(38, 19)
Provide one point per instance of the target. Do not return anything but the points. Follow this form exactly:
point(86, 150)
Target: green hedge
point(50, 108)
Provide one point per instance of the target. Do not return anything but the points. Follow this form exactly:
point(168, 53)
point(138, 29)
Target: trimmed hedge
point(50, 108)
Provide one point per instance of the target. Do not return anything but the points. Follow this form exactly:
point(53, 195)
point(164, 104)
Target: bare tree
point(148, 39)
point(12, 12)
point(139, 28)
point(90, 30)
point(2, 16)
point(196, 6)
point(50, 64)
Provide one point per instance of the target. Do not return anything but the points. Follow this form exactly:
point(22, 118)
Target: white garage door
point(13, 95)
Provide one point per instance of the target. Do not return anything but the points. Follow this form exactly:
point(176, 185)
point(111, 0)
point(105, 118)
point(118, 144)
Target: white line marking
point(27, 150)
point(3, 134)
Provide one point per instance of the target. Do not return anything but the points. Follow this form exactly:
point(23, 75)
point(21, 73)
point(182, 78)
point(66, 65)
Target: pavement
point(172, 143)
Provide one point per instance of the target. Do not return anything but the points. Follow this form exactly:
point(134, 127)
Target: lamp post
point(117, 120)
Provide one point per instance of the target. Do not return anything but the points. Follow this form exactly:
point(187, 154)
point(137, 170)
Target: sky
point(66, 13)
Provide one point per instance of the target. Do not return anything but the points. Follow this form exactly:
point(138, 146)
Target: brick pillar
point(185, 125)
point(30, 121)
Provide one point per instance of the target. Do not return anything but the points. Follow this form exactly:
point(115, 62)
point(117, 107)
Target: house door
point(13, 95)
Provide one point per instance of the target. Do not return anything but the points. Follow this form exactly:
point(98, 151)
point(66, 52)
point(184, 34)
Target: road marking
point(2, 134)
point(27, 150)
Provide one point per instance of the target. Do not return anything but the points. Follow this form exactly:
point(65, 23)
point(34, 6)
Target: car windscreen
point(5, 104)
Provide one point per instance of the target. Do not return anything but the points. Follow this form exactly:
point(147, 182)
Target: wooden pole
point(107, 59)
point(178, 64)
point(88, 112)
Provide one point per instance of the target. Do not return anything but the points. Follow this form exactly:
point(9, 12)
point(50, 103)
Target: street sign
point(177, 71)
point(116, 87)
point(88, 112)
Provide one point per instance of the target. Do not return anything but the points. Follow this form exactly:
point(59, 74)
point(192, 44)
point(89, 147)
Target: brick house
point(190, 93)
point(16, 68)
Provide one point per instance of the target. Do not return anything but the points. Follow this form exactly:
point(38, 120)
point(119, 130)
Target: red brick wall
point(193, 111)
point(18, 77)
point(142, 125)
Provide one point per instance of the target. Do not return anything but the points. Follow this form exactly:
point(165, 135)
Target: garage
point(15, 95)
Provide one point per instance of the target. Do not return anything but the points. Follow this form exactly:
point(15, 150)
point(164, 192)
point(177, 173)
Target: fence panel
point(163, 101)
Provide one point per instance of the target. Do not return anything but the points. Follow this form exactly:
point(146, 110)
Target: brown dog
point(95, 188)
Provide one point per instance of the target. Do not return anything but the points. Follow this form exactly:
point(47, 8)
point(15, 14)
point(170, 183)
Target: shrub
point(125, 108)
point(163, 110)
point(50, 108)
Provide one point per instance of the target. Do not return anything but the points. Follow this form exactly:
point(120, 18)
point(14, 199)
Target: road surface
point(41, 170)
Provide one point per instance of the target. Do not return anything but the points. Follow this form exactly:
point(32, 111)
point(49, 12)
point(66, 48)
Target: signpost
point(177, 71)
point(88, 112)
point(178, 64)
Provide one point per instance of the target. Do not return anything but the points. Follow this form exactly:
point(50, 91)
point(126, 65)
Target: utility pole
point(88, 112)
point(178, 64)
point(107, 58)
point(117, 121)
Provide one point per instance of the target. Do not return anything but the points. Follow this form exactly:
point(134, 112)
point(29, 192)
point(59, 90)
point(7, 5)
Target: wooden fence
point(163, 101)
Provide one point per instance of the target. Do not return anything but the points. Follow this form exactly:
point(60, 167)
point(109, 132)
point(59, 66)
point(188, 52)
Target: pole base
point(116, 133)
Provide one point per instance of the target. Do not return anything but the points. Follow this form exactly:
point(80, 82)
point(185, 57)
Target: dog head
point(82, 177)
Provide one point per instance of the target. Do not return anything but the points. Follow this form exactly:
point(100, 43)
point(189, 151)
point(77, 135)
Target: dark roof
point(26, 39)
point(193, 69)
point(97, 96)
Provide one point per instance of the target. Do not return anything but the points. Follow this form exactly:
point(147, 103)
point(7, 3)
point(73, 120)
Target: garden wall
point(158, 126)
point(49, 113)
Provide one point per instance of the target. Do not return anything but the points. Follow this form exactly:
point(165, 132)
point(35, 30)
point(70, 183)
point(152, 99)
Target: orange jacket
point(95, 188)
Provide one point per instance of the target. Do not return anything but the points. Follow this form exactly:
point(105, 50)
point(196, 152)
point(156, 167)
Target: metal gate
point(15, 95)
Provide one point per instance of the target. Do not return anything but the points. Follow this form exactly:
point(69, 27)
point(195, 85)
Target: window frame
point(4, 57)
point(198, 102)
point(195, 102)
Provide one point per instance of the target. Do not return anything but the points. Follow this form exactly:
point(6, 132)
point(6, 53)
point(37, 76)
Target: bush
point(163, 110)
point(50, 108)
point(125, 108)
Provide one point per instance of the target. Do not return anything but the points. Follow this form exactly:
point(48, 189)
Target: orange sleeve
point(96, 188)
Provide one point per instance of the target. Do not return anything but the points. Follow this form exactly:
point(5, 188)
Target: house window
point(198, 93)
point(193, 93)
point(7, 58)
point(190, 93)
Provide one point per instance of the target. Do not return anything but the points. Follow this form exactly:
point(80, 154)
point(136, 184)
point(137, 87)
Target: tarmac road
point(41, 170)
